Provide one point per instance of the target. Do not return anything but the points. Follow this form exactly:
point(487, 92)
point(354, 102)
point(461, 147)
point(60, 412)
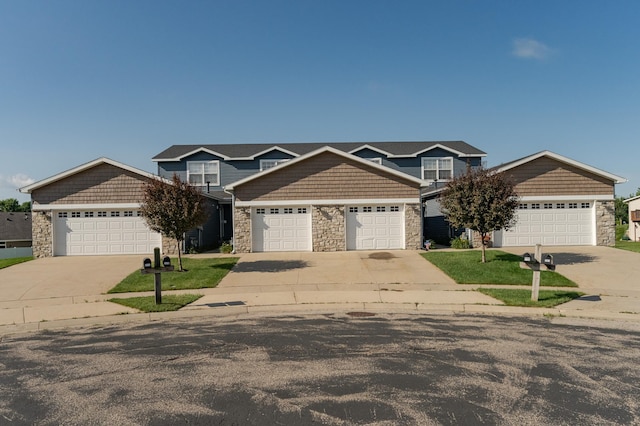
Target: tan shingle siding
point(101, 184)
point(545, 176)
point(327, 176)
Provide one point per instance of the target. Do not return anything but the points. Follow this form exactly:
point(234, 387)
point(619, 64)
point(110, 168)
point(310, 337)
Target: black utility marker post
point(158, 267)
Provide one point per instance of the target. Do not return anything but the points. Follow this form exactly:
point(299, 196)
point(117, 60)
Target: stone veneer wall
point(412, 226)
point(328, 228)
point(242, 230)
point(169, 246)
point(42, 234)
point(605, 223)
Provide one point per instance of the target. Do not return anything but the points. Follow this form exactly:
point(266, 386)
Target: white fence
point(10, 253)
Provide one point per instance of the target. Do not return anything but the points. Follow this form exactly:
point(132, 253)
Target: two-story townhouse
point(361, 186)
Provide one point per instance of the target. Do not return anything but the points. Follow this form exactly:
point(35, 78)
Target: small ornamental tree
point(481, 200)
point(173, 208)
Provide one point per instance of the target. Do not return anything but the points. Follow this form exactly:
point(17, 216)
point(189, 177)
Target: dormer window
point(201, 172)
point(437, 168)
point(267, 164)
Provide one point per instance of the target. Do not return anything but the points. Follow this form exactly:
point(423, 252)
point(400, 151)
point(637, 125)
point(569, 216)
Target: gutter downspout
point(233, 216)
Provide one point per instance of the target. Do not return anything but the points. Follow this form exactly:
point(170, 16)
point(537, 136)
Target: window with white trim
point(88, 214)
point(267, 164)
point(102, 214)
point(573, 205)
point(75, 214)
point(260, 211)
point(353, 210)
point(585, 205)
point(437, 168)
point(394, 208)
point(548, 205)
point(201, 172)
point(380, 209)
point(128, 213)
point(62, 214)
point(3, 244)
point(274, 211)
point(302, 210)
point(559, 205)
point(535, 206)
point(523, 206)
point(366, 210)
point(287, 210)
point(115, 214)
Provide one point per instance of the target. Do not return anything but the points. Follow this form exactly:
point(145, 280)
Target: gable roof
point(15, 226)
point(251, 151)
point(103, 160)
point(515, 163)
point(628, 200)
point(319, 151)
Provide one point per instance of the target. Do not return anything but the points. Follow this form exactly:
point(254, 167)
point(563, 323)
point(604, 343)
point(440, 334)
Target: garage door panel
point(375, 227)
point(88, 234)
point(281, 229)
point(551, 226)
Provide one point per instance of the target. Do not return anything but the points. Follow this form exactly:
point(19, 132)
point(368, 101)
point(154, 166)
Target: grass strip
point(466, 267)
point(628, 245)
point(5, 263)
point(516, 297)
point(199, 273)
point(170, 302)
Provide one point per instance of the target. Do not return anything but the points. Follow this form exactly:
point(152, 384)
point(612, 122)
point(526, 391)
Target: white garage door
point(281, 229)
point(375, 227)
point(551, 224)
point(102, 232)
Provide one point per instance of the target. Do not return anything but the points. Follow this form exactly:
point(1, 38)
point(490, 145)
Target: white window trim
point(422, 167)
point(277, 162)
point(204, 183)
point(376, 160)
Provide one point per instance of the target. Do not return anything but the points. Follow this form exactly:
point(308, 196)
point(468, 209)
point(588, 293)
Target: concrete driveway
point(605, 270)
point(326, 271)
point(56, 288)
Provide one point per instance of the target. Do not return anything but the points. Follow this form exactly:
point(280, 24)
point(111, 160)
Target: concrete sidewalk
point(274, 283)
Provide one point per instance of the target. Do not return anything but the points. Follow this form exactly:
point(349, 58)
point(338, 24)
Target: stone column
point(42, 234)
point(605, 223)
point(412, 223)
point(328, 228)
point(242, 229)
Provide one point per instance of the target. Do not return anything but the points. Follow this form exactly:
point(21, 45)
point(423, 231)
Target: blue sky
point(126, 79)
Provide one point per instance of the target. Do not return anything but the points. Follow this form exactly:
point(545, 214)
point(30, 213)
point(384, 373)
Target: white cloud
point(529, 48)
point(16, 181)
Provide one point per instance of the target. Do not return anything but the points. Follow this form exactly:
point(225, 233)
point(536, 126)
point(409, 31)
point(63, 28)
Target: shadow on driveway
point(270, 266)
point(573, 258)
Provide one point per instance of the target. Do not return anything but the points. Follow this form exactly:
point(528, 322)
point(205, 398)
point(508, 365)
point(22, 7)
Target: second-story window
point(437, 168)
point(267, 164)
point(201, 172)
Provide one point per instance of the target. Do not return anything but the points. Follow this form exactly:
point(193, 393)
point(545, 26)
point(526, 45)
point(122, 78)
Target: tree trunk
point(179, 256)
point(484, 246)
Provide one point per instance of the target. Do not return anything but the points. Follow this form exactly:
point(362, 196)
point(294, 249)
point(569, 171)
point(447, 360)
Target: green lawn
point(171, 302)
point(199, 273)
point(466, 267)
point(546, 298)
point(5, 263)
point(628, 245)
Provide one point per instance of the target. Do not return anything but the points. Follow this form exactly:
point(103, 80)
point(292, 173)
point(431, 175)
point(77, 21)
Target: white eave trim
point(628, 200)
point(266, 151)
point(324, 149)
point(344, 201)
point(563, 159)
point(56, 207)
point(603, 197)
point(103, 160)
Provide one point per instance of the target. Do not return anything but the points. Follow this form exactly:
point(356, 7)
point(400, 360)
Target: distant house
point(634, 218)
point(15, 229)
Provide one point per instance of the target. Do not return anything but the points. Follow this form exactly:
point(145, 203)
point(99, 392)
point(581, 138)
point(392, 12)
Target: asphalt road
point(338, 369)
